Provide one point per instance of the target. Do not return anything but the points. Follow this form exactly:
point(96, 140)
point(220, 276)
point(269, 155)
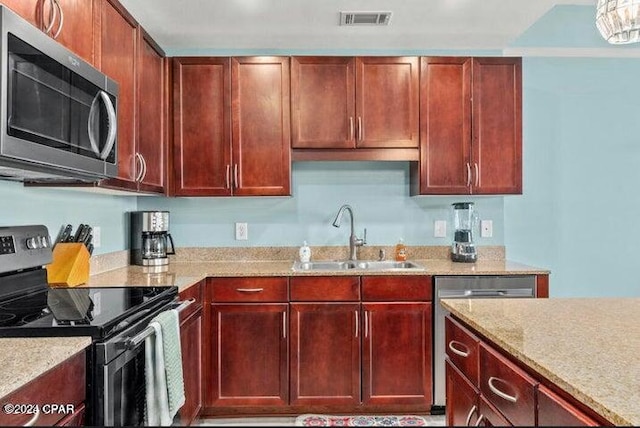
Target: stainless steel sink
point(369, 265)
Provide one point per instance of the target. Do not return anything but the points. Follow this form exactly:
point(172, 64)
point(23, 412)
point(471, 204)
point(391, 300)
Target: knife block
point(70, 265)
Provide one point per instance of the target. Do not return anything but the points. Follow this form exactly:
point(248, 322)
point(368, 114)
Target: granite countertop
point(586, 346)
point(24, 359)
point(186, 274)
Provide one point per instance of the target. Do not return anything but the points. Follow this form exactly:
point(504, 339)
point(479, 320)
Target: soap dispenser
point(401, 251)
point(304, 253)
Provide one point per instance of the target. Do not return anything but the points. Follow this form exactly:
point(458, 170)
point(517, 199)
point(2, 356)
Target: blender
point(464, 220)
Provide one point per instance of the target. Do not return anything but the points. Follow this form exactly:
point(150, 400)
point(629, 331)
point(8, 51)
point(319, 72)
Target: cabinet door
point(191, 342)
point(555, 411)
point(202, 126)
point(387, 101)
point(445, 126)
point(325, 353)
point(118, 48)
point(152, 112)
point(497, 125)
point(462, 398)
point(249, 355)
point(261, 126)
point(76, 32)
point(397, 353)
point(323, 102)
point(490, 416)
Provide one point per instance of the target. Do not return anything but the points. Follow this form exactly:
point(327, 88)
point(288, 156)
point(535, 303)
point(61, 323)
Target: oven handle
point(140, 337)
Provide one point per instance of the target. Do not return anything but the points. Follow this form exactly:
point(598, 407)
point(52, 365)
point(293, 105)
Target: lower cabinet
point(191, 342)
point(485, 388)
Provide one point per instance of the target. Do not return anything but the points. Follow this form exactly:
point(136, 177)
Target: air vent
point(365, 18)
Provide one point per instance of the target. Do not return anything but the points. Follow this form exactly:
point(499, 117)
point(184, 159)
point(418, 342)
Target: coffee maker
point(464, 221)
point(150, 238)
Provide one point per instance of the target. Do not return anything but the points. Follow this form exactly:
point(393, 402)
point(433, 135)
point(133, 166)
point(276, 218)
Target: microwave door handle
point(113, 125)
point(90, 129)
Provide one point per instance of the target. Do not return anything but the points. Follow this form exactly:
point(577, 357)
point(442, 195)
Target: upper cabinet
point(231, 126)
point(354, 102)
point(471, 126)
point(64, 20)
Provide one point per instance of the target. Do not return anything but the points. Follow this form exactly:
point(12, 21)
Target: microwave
point(58, 114)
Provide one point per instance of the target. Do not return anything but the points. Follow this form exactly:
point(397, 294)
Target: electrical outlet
point(486, 228)
point(440, 229)
point(97, 237)
point(242, 232)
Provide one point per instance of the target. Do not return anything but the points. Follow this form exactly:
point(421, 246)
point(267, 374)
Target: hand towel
point(165, 380)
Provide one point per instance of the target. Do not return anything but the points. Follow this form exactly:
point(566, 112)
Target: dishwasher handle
point(466, 294)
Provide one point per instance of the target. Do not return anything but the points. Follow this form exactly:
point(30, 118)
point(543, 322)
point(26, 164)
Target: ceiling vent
point(365, 18)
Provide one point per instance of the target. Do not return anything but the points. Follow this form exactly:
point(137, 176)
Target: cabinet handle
point(356, 312)
point(235, 175)
point(144, 167)
point(61, 13)
point(463, 354)
point(475, 166)
point(479, 421)
point(140, 171)
point(31, 422)
point(471, 412)
point(249, 290)
point(366, 323)
point(284, 325)
point(499, 393)
point(228, 177)
point(360, 129)
point(350, 128)
point(52, 17)
point(468, 174)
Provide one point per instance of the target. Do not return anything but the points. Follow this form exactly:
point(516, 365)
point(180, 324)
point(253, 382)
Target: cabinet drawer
point(325, 289)
point(462, 349)
point(507, 387)
point(394, 288)
point(248, 290)
point(554, 411)
point(64, 384)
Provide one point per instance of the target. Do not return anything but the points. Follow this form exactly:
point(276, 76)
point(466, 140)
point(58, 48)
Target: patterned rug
point(312, 420)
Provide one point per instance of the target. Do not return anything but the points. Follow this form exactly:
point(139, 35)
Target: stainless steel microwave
point(58, 113)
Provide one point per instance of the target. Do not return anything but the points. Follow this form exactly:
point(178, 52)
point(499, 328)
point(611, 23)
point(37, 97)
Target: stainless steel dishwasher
point(468, 287)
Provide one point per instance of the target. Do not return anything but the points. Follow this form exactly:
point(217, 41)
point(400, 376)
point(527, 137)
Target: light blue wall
point(53, 208)
point(377, 191)
point(580, 205)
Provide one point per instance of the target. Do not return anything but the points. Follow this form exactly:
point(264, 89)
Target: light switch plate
point(97, 237)
point(440, 229)
point(486, 228)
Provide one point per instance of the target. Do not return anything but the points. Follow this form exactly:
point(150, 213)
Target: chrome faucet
point(354, 241)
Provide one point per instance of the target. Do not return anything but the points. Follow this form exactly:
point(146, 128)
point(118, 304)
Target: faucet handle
point(364, 239)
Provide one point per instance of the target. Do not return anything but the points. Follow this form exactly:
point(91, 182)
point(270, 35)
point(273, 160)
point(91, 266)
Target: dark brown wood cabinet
point(470, 126)
point(462, 398)
point(191, 343)
point(553, 410)
point(231, 126)
point(246, 343)
point(72, 21)
point(325, 341)
point(117, 47)
point(151, 142)
point(354, 102)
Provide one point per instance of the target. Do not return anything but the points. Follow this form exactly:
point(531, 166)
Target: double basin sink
point(368, 265)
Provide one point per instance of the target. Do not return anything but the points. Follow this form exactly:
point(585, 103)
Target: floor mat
point(313, 420)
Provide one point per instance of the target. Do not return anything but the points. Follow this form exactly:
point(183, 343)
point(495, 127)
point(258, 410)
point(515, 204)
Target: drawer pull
point(463, 354)
point(356, 312)
point(499, 393)
point(284, 325)
point(249, 290)
point(471, 412)
point(31, 422)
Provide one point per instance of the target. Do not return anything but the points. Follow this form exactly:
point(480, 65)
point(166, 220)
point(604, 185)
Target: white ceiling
point(214, 25)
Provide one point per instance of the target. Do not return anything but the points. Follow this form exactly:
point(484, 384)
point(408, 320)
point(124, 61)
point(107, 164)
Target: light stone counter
point(186, 274)
point(24, 359)
point(589, 347)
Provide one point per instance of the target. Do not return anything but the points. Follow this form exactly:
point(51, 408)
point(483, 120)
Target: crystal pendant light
point(619, 20)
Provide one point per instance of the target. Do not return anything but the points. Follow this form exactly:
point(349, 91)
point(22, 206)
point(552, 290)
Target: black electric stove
point(116, 318)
